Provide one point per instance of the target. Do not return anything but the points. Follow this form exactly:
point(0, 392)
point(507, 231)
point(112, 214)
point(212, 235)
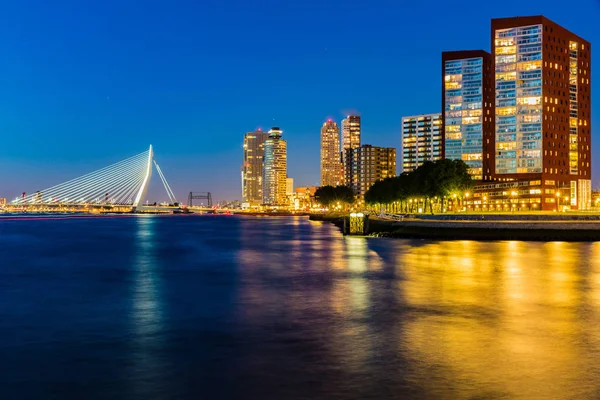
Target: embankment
point(563, 229)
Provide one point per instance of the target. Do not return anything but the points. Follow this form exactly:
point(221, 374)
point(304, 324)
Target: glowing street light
point(513, 194)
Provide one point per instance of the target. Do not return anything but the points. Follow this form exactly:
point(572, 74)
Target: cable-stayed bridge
point(119, 187)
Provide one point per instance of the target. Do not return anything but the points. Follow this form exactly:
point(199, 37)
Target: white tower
point(139, 199)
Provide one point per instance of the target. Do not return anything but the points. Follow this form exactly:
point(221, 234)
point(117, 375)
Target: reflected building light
point(356, 250)
point(147, 316)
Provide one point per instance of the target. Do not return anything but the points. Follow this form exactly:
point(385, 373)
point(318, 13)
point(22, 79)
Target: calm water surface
point(205, 307)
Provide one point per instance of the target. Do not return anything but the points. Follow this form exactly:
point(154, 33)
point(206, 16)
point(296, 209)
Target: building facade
point(351, 132)
point(331, 167)
point(468, 108)
point(253, 168)
point(421, 140)
point(542, 109)
point(303, 198)
point(371, 164)
point(275, 169)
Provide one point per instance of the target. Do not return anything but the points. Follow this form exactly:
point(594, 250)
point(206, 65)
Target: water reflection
point(502, 316)
point(298, 312)
point(149, 369)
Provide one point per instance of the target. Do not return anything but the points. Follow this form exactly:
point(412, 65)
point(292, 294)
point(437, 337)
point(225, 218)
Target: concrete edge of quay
point(572, 230)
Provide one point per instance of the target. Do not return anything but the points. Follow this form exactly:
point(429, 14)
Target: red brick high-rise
point(542, 112)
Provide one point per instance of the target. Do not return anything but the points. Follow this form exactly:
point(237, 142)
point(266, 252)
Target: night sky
point(87, 83)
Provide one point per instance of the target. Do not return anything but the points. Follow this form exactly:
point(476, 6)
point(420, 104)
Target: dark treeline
point(330, 196)
point(430, 186)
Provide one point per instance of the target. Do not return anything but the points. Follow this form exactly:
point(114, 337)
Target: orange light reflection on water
point(506, 316)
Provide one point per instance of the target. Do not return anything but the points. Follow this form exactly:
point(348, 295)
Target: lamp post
point(557, 200)
point(567, 202)
point(467, 201)
point(513, 194)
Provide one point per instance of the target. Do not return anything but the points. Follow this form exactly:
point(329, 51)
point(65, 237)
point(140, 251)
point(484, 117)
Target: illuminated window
point(528, 66)
point(529, 100)
point(506, 49)
point(506, 111)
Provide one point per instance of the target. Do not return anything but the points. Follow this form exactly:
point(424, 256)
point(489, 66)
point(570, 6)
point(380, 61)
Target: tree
point(327, 195)
point(440, 179)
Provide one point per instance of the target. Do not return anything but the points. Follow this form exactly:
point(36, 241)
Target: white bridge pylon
point(122, 183)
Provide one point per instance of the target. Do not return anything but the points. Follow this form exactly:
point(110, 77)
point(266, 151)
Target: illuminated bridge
point(120, 187)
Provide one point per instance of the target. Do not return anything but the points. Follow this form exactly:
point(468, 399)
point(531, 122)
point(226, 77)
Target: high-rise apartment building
point(351, 131)
point(421, 140)
point(371, 164)
point(468, 108)
point(253, 168)
point(543, 108)
point(275, 171)
point(331, 167)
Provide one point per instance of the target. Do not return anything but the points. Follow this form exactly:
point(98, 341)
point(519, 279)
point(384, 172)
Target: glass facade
point(573, 109)
point(275, 169)
point(252, 170)
point(421, 140)
point(518, 79)
point(331, 167)
point(350, 141)
point(463, 136)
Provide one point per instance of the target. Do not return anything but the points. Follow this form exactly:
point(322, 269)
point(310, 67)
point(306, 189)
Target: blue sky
point(84, 84)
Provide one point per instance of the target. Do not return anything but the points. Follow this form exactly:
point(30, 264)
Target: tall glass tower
point(252, 170)
point(331, 167)
point(350, 141)
point(275, 172)
point(467, 104)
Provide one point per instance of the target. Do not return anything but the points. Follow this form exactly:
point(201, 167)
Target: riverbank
point(497, 228)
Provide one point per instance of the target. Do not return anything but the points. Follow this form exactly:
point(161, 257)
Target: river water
point(228, 307)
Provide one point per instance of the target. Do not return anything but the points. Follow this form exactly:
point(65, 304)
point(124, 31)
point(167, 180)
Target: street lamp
point(557, 200)
point(513, 194)
point(467, 201)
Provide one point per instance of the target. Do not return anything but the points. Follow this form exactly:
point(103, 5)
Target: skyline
point(76, 74)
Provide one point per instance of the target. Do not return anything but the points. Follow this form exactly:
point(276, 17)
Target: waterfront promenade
point(542, 227)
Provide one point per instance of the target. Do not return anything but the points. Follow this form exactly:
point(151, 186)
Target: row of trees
point(431, 185)
point(332, 196)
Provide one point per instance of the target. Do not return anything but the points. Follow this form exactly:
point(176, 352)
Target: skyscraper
point(421, 140)
point(371, 164)
point(275, 172)
point(543, 124)
point(252, 170)
point(350, 141)
point(468, 108)
point(331, 167)
point(351, 132)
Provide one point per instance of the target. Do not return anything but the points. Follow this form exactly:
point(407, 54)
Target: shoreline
point(549, 229)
